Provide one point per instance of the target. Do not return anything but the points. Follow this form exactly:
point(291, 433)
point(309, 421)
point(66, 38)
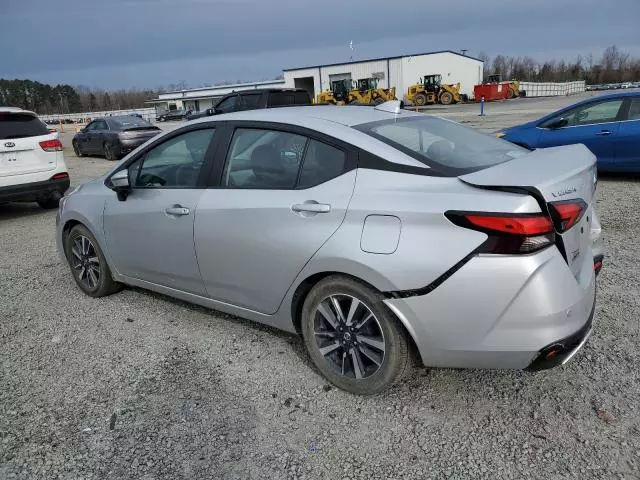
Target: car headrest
point(266, 159)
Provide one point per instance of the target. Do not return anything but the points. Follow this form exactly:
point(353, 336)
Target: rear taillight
point(508, 233)
point(51, 145)
point(567, 213)
point(60, 176)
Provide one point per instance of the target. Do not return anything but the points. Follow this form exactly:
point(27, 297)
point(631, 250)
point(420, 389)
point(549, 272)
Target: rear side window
point(281, 99)
point(634, 109)
point(17, 125)
point(249, 102)
point(322, 162)
point(447, 147)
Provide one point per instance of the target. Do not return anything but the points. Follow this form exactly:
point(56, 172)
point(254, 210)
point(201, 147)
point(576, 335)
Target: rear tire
point(366, 350)
point(108, 152)
point(379, 101)
point(420, 99)
point(88, 264)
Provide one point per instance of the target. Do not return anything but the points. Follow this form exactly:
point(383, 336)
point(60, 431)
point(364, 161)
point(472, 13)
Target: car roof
point(268, 90)
point(301, 115)
point(16, 110)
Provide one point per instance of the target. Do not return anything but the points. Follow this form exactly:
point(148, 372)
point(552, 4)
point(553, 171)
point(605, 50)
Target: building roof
point(223, 87)
point(381, 58)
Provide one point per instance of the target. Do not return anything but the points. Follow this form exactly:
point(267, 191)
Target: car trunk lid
point(554, 176)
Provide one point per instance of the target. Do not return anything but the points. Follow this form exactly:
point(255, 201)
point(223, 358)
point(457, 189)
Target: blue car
point(609, 125)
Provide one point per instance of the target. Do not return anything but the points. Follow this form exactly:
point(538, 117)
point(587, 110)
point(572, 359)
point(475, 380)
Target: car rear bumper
point(33, 190)
point(500, 311)
point(129, 145)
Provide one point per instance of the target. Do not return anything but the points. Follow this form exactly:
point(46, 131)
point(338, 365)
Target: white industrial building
point(399, 72)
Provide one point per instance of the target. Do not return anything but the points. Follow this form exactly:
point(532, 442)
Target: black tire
point(379, 101)
point(82, 258)
point(446, 98)
point(420, 99)
point(379, 367)
point(109, 152)
point(48, 203)
point(76, 150)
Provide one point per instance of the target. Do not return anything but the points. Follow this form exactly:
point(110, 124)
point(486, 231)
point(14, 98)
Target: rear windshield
point(123, 123)
point(20, 125)
point(447, 147)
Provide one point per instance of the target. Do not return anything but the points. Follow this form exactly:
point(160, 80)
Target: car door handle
point(311, 207)
point(604, 132)
point(177, 211)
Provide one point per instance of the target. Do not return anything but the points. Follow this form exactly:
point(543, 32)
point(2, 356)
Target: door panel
point(597, 138)
point(150, 234)
point(627, 147)
point(251, 244)
point(148, 243)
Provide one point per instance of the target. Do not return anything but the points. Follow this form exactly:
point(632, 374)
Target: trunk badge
point(566, 191)
point(9, 144)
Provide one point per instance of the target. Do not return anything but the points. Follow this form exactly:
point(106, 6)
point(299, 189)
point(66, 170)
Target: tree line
point(614, 66)
point(48, 99)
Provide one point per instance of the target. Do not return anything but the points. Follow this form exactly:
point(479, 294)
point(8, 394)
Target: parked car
point(609, 125)
point(179, 114)
point(113, 137)
point(256, 99)
point(369, 230)
point(32, 164)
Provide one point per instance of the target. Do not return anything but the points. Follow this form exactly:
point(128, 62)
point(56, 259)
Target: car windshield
point(125, 123)
point(20, 125)
point(447, 147)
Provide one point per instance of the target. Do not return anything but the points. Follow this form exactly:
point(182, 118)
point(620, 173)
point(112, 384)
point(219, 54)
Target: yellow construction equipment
point(430, 90)
point(366, 92)
point(336, 95)
point(512, 86)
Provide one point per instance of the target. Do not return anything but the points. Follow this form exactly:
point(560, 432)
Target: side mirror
point(120, 184)
point(210, 112)
point(558, 123)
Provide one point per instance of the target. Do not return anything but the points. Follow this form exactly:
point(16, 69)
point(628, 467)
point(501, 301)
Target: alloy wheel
point(349, 336)
point(85, 262)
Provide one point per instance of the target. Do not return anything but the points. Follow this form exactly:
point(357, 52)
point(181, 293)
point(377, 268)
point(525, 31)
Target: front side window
point(227, 105)
point(175, 163)
point(101, 125)
point(263, 159)
point(446, 146)
point(601, 112)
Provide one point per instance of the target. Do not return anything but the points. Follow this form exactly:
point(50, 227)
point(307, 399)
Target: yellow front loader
point(430, 91)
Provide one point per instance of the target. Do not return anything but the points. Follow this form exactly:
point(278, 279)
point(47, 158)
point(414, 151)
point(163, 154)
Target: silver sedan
point(375, 233)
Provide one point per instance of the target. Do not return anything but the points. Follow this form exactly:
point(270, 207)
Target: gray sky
point(150, 43)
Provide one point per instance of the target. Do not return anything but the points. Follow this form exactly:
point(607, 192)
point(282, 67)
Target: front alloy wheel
point(87, 263)
point(352, 337)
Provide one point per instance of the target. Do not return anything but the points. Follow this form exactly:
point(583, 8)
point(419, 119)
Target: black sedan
point(113, 137)
point(179, 114)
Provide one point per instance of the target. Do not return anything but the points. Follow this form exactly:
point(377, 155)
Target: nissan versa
point(372, 232)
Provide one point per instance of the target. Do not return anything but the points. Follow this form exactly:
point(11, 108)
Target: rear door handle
point(177, 211)
point(604, 132)
point(311, 207)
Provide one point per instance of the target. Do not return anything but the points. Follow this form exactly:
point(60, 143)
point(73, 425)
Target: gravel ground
point(139, 386)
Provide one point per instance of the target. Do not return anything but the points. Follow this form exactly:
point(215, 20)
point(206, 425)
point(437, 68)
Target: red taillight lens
point(508, 233)
point(567, 213)
point(516, 225)
point(60, 176)
point(51, 145)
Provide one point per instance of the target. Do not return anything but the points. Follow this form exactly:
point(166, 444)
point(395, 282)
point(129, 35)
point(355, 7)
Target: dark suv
point(256, 99)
